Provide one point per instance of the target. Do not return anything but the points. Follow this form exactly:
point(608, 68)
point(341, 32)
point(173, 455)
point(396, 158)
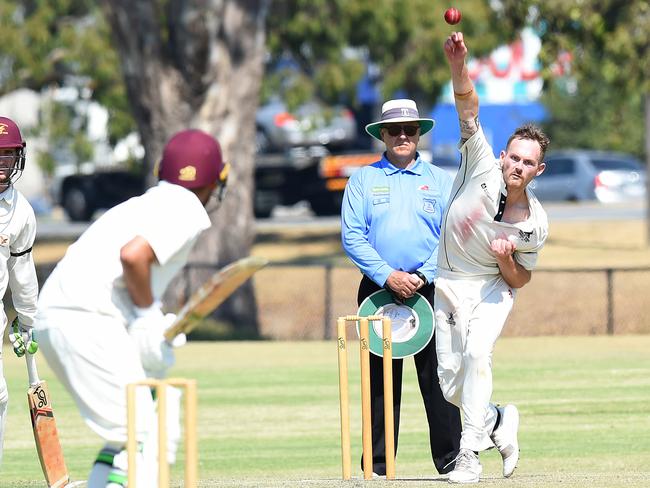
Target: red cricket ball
point(452, 16)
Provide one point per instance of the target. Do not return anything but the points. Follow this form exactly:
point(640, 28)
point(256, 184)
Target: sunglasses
point(396, 130)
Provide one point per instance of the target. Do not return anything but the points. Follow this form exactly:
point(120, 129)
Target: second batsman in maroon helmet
point(100, 320)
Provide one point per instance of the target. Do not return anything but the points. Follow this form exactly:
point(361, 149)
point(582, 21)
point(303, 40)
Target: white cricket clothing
point(473, 218)
point(470, 314)
point(4, 400)
point(472, 299)
point(84, 306)
point(17, 234)
point(95, 359)
point(89, 277)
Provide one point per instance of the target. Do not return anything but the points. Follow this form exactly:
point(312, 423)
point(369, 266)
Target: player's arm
point(513, 273)
point(464, 93)
point(137, 256)
point(22, 272)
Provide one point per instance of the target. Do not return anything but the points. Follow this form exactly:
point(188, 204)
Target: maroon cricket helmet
point(191, 159)
point(10, 138)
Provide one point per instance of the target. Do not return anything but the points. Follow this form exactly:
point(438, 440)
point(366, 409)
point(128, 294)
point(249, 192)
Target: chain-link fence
point(302, 302)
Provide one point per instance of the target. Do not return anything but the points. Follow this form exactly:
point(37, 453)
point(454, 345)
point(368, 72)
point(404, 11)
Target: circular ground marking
point(411, 323)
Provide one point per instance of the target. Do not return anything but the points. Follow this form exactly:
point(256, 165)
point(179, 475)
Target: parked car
point(311, 124)
point(581, 174)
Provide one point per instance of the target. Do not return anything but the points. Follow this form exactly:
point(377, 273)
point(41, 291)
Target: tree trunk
point(199, 64)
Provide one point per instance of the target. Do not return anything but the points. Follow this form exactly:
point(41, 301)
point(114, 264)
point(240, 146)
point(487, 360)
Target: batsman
point(17, 234)
point(100, 323)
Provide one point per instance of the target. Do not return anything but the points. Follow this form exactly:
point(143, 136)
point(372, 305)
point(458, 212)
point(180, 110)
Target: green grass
point(268, 416)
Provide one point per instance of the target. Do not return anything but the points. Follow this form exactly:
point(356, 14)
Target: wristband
point(463, 96)
point(422, 277)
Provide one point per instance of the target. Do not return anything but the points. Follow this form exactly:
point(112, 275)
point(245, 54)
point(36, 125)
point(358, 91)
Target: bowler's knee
point(477, 353)
point(449, 386)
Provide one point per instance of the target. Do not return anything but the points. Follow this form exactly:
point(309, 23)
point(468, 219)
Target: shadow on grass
point(213, 330)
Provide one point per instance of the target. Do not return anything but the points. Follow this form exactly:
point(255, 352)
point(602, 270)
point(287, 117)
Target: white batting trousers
point(470, 314)
point(95, 358)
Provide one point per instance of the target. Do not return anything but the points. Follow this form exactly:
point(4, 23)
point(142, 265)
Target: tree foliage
point(331, 41)
point(609, 41)
point(316, 49)
point(62, 42)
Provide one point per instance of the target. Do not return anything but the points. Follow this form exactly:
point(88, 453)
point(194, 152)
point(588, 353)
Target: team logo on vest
point(4, 240)
point(525, 236)
point(3, 130)
point(487, 191)
point(429, 205)
point(188, 173)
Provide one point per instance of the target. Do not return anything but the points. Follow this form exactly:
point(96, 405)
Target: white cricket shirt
point(473, 218)
point(17, 234)
point(89, 277)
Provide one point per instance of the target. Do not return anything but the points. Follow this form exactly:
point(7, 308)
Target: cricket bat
point(46, 434)
point(212, 294)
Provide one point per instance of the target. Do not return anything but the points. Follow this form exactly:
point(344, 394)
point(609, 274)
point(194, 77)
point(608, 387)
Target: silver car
point(580, 174)
point(311, 124)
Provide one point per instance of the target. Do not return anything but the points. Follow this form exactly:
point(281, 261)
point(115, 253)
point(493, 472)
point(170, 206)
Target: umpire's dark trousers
point(443, 417)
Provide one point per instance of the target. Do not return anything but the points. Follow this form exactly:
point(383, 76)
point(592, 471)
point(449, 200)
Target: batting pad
point(411, 323)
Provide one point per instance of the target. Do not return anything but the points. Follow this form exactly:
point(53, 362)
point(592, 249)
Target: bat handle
point(32, 373)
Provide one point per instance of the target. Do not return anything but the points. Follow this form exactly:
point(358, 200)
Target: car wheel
point(77, 205)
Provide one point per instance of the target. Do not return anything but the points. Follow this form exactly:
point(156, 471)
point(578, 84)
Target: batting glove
point(22, 338)
point(147, 331)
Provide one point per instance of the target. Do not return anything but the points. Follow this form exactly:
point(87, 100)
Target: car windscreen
point(616, 164)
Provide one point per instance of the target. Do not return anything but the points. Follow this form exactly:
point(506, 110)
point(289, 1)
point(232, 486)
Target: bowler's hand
point(455, 49)
point(502, 248)
point(403, 284)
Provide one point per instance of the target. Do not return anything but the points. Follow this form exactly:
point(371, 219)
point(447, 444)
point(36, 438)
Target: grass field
point(268, 416)
point(268, 412)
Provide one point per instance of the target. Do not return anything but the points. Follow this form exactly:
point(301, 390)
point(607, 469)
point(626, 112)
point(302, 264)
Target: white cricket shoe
point(467, 469)
point(505, 438)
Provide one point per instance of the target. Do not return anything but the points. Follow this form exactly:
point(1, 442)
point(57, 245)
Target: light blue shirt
point(391, 218)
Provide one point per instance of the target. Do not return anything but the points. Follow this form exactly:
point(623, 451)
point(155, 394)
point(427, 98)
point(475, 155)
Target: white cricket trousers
point(95, 359)
point(470, 314)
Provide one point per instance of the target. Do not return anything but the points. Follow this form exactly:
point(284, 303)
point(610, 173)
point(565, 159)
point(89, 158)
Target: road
point(56, 227)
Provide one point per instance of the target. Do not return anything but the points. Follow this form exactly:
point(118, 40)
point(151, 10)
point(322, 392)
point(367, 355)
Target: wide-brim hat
point(399, 110)
point(411, 323)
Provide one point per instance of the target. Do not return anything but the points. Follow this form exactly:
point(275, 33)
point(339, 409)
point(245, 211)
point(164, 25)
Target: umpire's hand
point(403, 284)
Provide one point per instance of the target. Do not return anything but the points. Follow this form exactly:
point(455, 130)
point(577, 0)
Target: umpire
point(390, 225)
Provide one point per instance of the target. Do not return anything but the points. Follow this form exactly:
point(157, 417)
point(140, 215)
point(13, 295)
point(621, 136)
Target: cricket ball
point(452, 16)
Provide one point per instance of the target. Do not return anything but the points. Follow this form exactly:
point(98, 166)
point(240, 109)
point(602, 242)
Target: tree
point(610, 43)
point(62, 42)
point(404, 39)
point(199, 64)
